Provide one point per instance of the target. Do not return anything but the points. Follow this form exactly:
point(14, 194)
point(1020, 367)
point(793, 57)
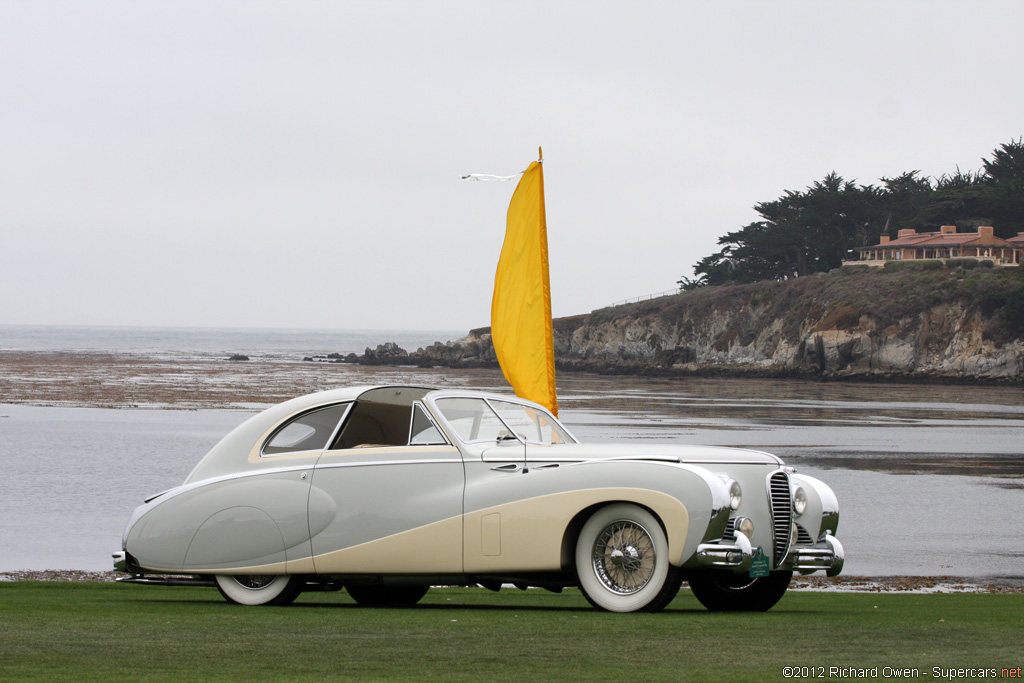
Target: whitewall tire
point(259, 590)
point(622, 561)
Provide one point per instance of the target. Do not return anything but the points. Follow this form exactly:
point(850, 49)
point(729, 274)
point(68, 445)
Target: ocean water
point(187, 343)
point(929, 478)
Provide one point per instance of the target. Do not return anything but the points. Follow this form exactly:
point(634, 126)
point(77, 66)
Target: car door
point(501, 441)
point(388, 508)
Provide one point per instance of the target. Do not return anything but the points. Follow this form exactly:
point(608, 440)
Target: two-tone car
point(386, 491)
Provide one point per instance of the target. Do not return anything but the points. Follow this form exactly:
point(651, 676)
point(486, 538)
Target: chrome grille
point(730, 530)
point(782, 513)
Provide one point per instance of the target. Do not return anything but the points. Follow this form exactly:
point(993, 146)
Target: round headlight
point(735, 495)
point(745, 526)
point(799, 500)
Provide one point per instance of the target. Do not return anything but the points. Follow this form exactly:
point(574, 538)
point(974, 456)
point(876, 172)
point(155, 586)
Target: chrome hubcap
point(254, 582)
point(623, 557)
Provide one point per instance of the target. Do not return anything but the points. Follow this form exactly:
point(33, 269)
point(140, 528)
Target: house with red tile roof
point(911, 245)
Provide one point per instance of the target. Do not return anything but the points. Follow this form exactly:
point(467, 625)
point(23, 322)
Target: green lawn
point(93, 631)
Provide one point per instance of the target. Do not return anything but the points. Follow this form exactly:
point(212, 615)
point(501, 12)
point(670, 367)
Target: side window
point(472, 419)
point(423, 432)
point(307, 432)
point(531, 424)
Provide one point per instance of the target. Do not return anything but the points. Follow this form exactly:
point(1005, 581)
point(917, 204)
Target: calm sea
point(930, 479)
point(206, 342)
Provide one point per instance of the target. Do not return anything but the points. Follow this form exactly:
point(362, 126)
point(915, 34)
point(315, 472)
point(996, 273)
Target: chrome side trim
point(672, 458)
point(177, 491)
point(377, 463)
point(153, 501)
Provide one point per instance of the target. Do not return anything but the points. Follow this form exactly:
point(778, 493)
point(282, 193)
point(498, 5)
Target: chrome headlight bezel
point(745, 526)
point(735, 491)
point(799, 500)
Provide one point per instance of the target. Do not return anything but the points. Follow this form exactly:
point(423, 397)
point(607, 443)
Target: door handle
point(511, 467)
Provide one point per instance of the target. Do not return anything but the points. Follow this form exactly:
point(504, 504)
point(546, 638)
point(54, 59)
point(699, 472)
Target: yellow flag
point(521, 308)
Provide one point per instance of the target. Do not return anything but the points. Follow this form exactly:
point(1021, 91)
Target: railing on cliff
point(648, 297)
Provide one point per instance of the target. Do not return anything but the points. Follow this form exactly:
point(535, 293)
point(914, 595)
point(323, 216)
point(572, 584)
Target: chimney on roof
point(885, 239)
point(906, 232)
point(948, 229)
point(985, 231)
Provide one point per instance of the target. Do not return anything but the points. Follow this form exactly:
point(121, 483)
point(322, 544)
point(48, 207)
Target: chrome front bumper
point(827, 554)
point(735, 555)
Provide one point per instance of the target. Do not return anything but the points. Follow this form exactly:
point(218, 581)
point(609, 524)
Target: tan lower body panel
point(431, 549)
point(522, 536)
point(530, 531)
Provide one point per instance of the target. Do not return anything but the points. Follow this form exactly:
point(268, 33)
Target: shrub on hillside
point(965, 263)
point(915, 264)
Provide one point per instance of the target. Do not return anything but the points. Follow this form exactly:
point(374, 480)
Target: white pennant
point(486, 177)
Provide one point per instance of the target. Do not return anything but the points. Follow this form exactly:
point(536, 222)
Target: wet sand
point(102, 380)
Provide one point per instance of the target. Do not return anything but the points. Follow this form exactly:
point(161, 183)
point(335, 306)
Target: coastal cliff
point(948, 324)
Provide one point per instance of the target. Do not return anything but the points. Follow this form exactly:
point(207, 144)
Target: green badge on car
point(759, 564)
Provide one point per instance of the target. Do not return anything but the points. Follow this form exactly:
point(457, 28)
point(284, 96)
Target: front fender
point(822, 514)
point(519, 521)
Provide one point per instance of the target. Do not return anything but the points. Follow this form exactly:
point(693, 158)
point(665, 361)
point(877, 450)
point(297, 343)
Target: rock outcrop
point(917, 325)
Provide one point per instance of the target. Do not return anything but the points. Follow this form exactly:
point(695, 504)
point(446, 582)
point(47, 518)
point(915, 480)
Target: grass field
point(92, 631)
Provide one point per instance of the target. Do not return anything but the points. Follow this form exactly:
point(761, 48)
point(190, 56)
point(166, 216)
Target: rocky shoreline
point(917, 326)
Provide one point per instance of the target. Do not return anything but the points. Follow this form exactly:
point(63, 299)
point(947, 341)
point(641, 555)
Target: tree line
point(813, 230)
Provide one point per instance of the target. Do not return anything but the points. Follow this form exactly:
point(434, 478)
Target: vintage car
point(386, 491)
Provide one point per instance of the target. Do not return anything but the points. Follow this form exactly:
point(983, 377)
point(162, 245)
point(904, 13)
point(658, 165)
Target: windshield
point(476, 419)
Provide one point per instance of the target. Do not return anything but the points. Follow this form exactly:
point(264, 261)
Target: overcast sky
point(296, 164)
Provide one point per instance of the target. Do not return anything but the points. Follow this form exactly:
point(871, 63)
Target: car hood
point(699, 455)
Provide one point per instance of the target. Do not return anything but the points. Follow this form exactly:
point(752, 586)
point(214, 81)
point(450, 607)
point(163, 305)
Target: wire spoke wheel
point(624, 557)
point(622, 561)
